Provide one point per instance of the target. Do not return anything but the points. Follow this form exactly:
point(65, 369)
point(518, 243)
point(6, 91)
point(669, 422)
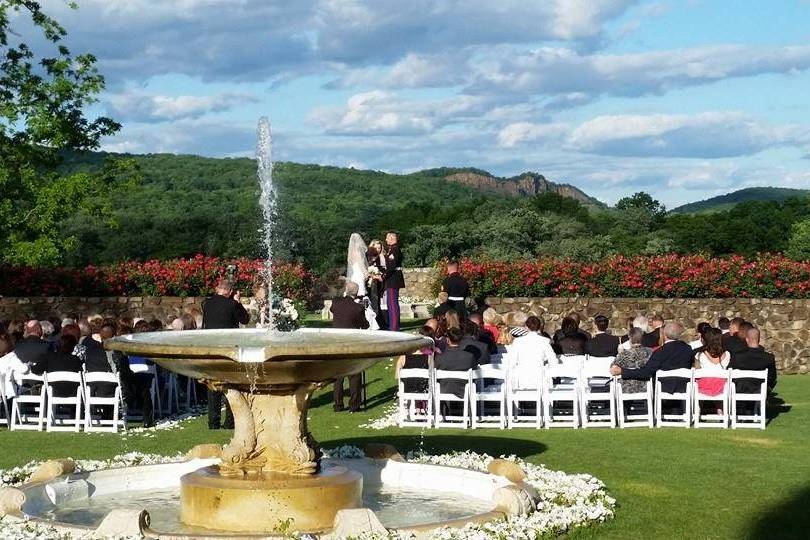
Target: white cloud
point(525, 132)
point(142, 107)
point(707, 135)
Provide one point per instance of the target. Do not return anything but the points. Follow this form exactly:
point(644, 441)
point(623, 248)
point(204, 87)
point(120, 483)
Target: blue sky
point(683, 99)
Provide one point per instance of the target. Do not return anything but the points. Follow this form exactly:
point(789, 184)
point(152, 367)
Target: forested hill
point(190, 204)
point(727, 201)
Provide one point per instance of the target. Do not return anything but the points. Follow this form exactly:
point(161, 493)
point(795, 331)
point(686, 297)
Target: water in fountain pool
point(395, 506)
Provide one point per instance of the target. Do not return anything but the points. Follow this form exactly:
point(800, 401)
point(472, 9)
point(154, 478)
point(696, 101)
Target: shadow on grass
point(787, 520)
point(776, 406)
point(327, 397)
point(442, 443)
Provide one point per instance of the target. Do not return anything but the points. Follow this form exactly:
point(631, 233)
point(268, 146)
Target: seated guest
point(698, 344)
point(629, 326)
point(49, 334)
point(101, 360)
point(438, 333)
point(674, 354)
point(724, 324)
point(492, 321)
point(348, 313)
point(735, 341)
point(79, 350)
point(634, 357)
point(452, 319)
point(483, 336)
point(443, 306)
point(471, 342)
point(571, 339)
point(61, 360)
point(138, 373)
point(176, 324)
point(574, 316)
point(87, 340)
point(418, 360)
point(640, 322)
point(11, 367)
point(528, 354)
point(754, 358)
point(652, 338)
point(455, 358)
point(31, 349)
point(602, 343)
point(713, 358)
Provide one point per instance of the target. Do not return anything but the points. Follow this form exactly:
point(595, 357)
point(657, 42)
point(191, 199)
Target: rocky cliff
point(524, 185)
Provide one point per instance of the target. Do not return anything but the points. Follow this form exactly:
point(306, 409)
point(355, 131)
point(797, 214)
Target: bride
point(356, 265)
point(357, 272)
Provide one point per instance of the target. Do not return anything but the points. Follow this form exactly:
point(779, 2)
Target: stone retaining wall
point(785, 323)
point(419, 283)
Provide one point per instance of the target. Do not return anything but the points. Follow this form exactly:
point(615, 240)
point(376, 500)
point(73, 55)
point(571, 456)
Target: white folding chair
point(757, 400)
point(566, 390)
point(28, 406)
point(492, 393)
point(710, 419)
point(573, 360)
point(56, 421)
point(191, 393)
point(169, 390)
point(4, 410)
point(628, 404)
point(684, 419)
point(408, 413)
point(440, 397)
point(516, 395)
point(598, 388)
point(97, 422)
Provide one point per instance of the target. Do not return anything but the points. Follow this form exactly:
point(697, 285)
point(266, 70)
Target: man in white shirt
point(529, 353)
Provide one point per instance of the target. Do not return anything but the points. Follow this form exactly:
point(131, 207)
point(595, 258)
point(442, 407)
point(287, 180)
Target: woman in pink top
point(713, 358)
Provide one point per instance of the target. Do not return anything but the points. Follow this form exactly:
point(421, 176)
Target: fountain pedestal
point(268, 502)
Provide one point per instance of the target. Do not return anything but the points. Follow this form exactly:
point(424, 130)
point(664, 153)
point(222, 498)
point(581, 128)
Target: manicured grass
point(669, 483)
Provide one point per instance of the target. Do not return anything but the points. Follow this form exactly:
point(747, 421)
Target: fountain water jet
point(267, 201)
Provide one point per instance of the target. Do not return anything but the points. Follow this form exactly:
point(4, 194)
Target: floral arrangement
point(196, 276)
point(285, 314)
point(664, 276)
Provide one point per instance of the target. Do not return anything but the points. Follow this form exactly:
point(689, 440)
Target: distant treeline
point(186, 205)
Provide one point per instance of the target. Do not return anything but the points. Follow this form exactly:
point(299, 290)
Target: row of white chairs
point(575, 393)
point(38, 409)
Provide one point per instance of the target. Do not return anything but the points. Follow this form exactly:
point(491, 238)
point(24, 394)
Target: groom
point(394, 280)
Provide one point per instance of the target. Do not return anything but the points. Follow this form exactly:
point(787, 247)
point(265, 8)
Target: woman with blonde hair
point(491, 322)
point(375, 261)
point(452, 319)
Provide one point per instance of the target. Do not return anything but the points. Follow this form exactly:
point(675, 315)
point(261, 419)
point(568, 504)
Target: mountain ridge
point(729, 200)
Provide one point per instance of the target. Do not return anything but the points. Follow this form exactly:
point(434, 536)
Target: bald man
point(32, 349)
point(754, 358)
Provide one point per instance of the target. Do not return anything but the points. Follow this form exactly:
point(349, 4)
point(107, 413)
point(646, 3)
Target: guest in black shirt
point(736, 340)
point(32, 349)
point(61, 360)
point(602, 344)
point(471, 342)
point(753, 358)
point(574, 316)
point(454, 358)
point(571, 339)
point(652, 339)
point(222, 310)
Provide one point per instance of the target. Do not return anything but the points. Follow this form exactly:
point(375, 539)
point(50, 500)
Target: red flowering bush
point(196, 276)
point(693, 276)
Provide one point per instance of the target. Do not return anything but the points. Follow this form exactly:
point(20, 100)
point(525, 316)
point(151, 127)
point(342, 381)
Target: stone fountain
point(272, 463)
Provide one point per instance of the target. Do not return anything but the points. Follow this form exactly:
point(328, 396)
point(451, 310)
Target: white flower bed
point(19, 475)
point(386, 420)
point(566, 500)
point(173, 422)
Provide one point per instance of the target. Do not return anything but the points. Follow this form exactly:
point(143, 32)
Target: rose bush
point(664, 276)
point(196, 276)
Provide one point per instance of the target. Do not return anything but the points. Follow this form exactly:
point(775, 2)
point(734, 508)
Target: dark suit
point(571, 344)
point(221, 312)
point(394, 281)
point(734, 344)
point(98, 360)
point(651, 339)
point(59, 361)
point(415, 361)
point(348, 313)
point(672, 355)
point(754, 359)
point(455, 359)
point(457, 289)
point(32, 350)
point(478, 348)
point(602, 345)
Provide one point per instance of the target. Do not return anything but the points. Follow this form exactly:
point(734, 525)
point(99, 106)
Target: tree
point(643, 201)
point(42, 102)
point(799, 243)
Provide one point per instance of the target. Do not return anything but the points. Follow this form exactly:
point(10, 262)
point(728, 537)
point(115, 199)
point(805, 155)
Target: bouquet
point(285, 314)
point(373, 273)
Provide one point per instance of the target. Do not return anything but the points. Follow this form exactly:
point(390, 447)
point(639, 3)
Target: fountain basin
point(271, 471)
point(411, 498)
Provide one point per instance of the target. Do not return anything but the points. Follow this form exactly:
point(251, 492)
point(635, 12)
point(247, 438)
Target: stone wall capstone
point(419, 283)
point(785, 323)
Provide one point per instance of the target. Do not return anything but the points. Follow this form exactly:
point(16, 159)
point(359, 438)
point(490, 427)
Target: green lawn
point(669, 483)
